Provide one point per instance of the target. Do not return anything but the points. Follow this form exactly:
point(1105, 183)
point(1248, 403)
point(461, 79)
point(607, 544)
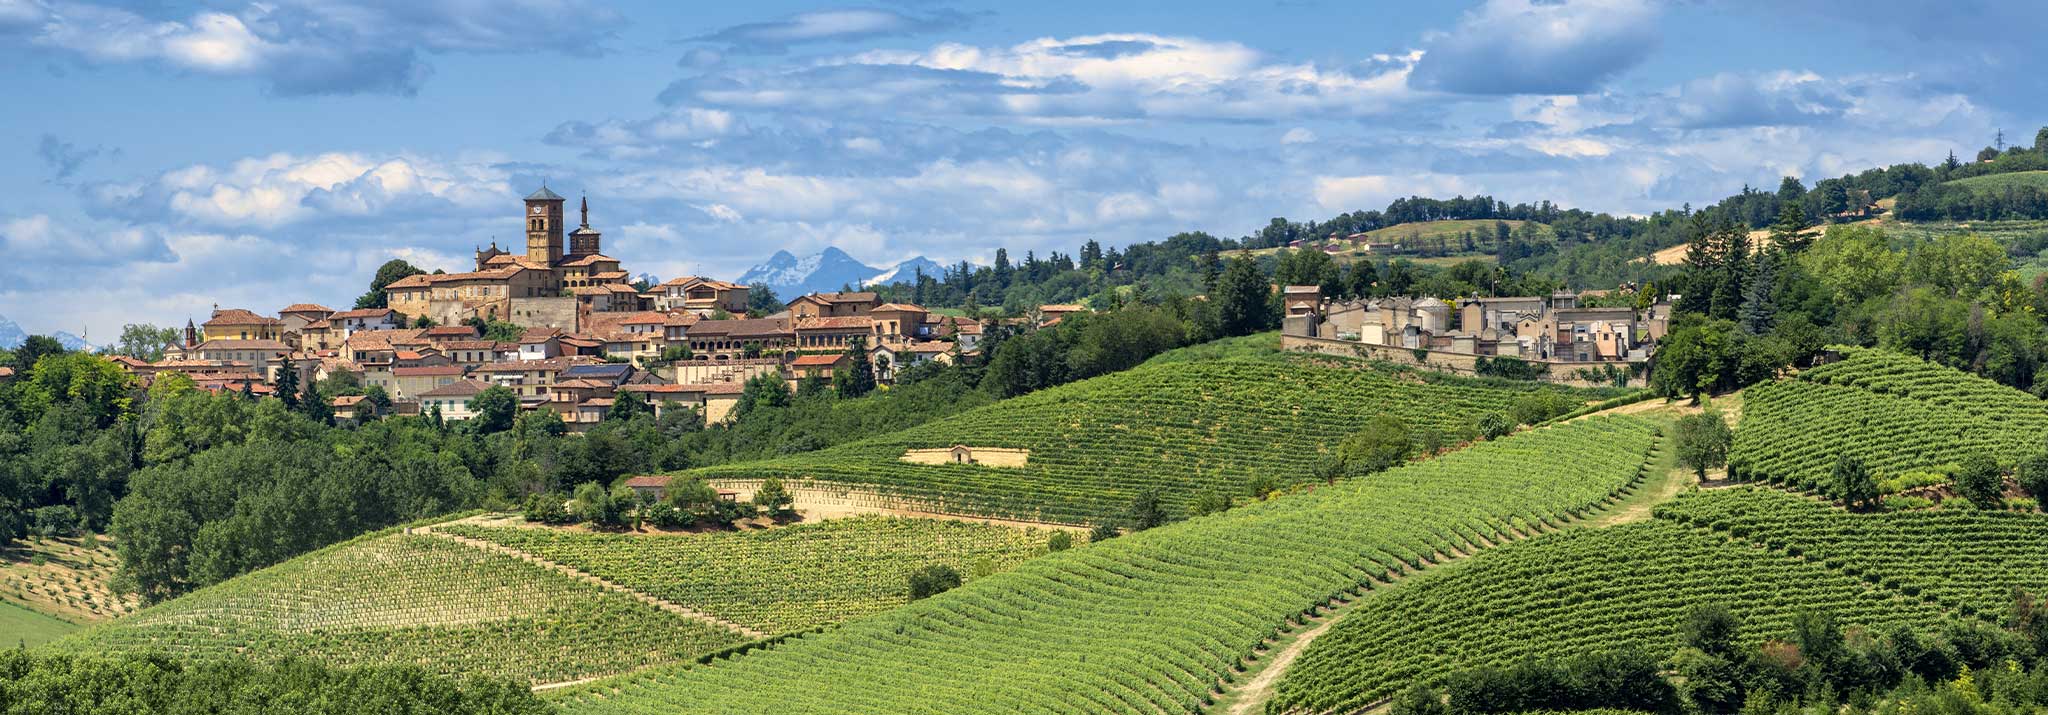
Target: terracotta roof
point(682, 320)
point(589, 290)
point(724, 388)
point(550, 364)
point(449, 331)
point(900, 306)
point(428, 371)
point(238, 316)
point(578, 342)
point(646, 318)
point(817, 360)
point(847, 322)
point(609, 276)
point(650, 480)
point(595, 402)
point(305, 308)
point(660, 389)
point(539, 335)
point(321, 324)
point(580, 384)
point(478, 345)
point(621, 288)
point(458, 388)
point(1061, 308)
point(366, 313)
point(845, 297)
point(424, 280)
point(347, 400)
point(6, 371)
point(130, 362)
point(225, 344)
point(592, 259)
point(930, 346)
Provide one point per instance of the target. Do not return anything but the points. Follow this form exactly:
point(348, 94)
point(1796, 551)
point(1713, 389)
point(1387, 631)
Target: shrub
point(1978, 480)
point(1060, 541)
point(1494, 425)
point(933, 580)
point(1386, 441)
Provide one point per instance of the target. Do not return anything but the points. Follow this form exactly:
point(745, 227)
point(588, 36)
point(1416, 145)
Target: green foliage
point(1243, 299)
point(2032, 474)
point(772, 498)
point(1979, 480)
point(58, 683)
point(858, 377)
point(627, 405)
point(1385, 443)
point(1853, 484)
point(1146, 511)
point(1089, 606)
point(1178, 428)
point(1540, 406)
point(1059, 541)
point(145, 342)
point(391, 598)
point(1894, 413)
point(387, 274)
point(933, 580)
point(1209, 501)
point(495, 408)
point(1703, 440)
point(784, 579)
point(1494, 425)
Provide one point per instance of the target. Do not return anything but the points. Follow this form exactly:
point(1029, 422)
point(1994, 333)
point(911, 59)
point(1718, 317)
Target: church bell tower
point(544, 227)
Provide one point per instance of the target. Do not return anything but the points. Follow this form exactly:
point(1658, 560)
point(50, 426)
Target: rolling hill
point(1174, 429)
point(1157, 621)
point(1999, 182)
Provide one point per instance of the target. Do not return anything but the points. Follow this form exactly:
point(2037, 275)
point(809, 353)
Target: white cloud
point(1538, 47)
point(282, 189)
point(1374, 191)
point(1298, 135)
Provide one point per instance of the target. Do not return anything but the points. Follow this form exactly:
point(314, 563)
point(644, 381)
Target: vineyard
point(1580, 591)
point(1159, 620)
point(1896, 413)
point(1175, 428)
point(1962, 558)
point(786, 579)
point(399, 598)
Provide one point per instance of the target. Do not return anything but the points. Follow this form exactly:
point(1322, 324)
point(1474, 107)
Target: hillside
point(1991, 183)
point(1584, 591)
point(405, 598)
point(1446, 235)
point(1898, 414)
point(785, 579)
point(1148, 622)
point(1177, 429)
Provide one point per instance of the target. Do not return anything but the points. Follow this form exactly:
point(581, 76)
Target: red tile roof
point(365, 313)
point(238, 316)
point(306, 308)
point(428, 371)
point(458, 388)
point(817, 360)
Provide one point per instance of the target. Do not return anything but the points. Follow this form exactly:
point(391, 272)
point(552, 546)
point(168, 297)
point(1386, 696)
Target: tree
point(1104, 531)
point(858, 377)
point(626, 405)
point(144, 341)
point(1494, 425)
point(1853, 484)
point(1703, 440)
point(933, 580)
point(288, 382)
point(34, 349)
point(1147, 511)
point(389, 273)
point(761, 391)
point(761, 299)
point(495, 409)
point(1385, 441)
point(1789, 232)
point(378, 401)
point(1711, 629)
point(1243, 299)
point(593, 503)
point(1059, 541)
point(1209, 501)
point(1978, 480)
point(2033, 475)
point(773, 498)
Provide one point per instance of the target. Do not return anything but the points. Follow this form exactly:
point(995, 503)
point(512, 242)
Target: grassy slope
point(784, 579)
point(73, 583)
point(1998, 182)
point(392, 598)
point(1150, 621)
point(20, 626)
point(1174, 427)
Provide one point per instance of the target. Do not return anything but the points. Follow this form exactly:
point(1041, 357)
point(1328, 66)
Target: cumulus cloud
point(282, 189)
point(1109, 77)
point(300, 47)
point(1345, 193)
point(834, 25)
point(1533, 47)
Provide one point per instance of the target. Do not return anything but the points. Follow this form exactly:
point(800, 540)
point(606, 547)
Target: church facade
point(560, 275)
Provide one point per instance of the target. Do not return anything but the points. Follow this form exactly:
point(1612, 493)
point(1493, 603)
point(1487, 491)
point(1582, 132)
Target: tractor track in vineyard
point(593, 579)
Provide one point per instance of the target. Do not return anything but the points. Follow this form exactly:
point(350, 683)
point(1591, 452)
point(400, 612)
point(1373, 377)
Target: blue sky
point(161, 157)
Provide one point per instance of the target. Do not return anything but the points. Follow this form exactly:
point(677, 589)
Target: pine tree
point(1789, 233)
point(1759, 307)
point(288, 383)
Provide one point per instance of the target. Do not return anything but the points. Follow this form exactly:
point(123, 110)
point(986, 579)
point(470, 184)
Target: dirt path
point(1252, 696)
point(593, 579)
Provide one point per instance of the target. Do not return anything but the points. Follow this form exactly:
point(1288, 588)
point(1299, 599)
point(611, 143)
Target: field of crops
point(1580, 591)
point(1152, 621)
point(1999, 182)
point(786, 579)
point(1177, 428)
point(397, 598)
point(1895, 412)
point(1964, 558)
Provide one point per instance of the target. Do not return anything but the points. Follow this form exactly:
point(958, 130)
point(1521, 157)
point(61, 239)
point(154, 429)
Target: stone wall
point(1557, 373)
point(544, 313)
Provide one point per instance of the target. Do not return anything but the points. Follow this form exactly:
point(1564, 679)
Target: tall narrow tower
point(585, 241)
point(544, 227)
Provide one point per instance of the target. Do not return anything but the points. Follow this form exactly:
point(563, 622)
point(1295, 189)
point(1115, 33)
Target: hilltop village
point(563, 327)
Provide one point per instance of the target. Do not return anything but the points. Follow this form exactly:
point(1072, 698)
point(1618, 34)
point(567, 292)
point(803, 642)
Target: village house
point(350, 322)
point(295, 318)
point(1549, 328)
point(239, 324)
point(454, 400)
point(833, 305)
point(702, 296)
point(529, 379)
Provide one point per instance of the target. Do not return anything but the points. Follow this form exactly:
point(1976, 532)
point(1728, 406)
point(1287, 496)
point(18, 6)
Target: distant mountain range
point(12, 336)
point(829, 270)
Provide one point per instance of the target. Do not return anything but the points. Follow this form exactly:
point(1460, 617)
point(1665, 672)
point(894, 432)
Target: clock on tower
point(544, 227)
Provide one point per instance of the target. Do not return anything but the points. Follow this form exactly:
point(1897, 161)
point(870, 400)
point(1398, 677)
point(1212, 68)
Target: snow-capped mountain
point(12, 336)
point(906, 272)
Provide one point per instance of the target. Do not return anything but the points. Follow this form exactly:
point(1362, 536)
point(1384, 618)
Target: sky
point(160, 157)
